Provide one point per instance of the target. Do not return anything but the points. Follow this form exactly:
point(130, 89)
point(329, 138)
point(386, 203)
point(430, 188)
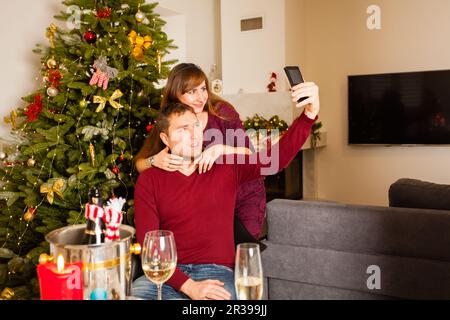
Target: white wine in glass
point(159, 257)
point(248, 274)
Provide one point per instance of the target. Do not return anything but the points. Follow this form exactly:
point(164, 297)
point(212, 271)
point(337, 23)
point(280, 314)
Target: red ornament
point(90, 37)
point(149, 127)
point(34, 109)
point(116, 170)
point(104, 13)
point(121, 158)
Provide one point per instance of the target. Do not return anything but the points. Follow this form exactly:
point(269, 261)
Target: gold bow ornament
point(51, 31)
point(102, 101)
point(7, 294)
point(12, 119)
point(50, 188)
point(140, 44)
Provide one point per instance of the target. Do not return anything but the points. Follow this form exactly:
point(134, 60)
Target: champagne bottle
point(95, 228)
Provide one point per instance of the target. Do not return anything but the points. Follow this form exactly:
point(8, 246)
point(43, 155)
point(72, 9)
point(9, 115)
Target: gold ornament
point(29, 215)
point(7, 294)
point(12, 119)
point(140, 44)
point(31, 162)
point(92, 153)
point(51, 188)
point(102, 101)
point(158, 58)
point(51, 31)
point(45, 258)
point(140, 16)
point(51, 63)
point(83, 103)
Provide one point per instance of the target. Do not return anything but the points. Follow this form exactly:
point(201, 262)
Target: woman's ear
point(164, 138)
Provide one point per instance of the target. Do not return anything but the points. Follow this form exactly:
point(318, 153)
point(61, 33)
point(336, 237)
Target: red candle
point(60, 281)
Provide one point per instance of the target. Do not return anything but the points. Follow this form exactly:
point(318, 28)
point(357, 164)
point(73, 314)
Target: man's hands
point(168, 162)
point(205, 290)
point(311, 91)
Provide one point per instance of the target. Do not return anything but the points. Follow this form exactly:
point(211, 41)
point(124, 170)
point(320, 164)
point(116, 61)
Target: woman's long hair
point(183, 78)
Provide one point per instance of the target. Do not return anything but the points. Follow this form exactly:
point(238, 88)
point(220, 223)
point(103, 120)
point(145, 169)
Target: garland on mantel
point(258, 122)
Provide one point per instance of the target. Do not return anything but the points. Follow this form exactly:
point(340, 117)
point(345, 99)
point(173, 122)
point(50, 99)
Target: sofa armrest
point(413, 193)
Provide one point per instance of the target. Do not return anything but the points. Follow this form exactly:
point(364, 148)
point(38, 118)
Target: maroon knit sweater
point(199, 208)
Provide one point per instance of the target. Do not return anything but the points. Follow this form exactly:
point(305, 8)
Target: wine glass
point(159, 257)
point(248, 274)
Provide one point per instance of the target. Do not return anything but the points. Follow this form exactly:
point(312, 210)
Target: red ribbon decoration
point(104, 13)
point(53, 77)
point(34, 109)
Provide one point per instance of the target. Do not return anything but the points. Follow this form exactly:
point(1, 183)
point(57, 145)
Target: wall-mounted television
point(399, 108)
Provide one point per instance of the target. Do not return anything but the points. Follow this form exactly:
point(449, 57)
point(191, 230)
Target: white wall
point(414, 36)
point(249, 58)
point(202, 30)
point(175, 28)
point(22, 25)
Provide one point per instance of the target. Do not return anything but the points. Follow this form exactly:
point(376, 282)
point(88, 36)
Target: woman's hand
point(310, 91)
point(205, 290)
point(168, 162)
point(209, 156)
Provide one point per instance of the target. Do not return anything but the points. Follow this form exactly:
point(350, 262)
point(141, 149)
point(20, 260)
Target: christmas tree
point(98, 99)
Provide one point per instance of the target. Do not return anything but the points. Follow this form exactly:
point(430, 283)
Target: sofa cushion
point(413, 193)
point(290, 290)
point(420, 233)
point(399, 277)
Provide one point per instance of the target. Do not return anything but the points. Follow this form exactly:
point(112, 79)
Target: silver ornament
point(140, 16)
point(2, 155)
point(52, 92)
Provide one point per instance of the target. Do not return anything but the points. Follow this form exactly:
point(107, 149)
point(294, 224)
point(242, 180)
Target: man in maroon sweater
point(199, 208)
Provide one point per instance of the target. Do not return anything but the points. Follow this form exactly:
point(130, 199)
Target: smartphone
point(294, 77)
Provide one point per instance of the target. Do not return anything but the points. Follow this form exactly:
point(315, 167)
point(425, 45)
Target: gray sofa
point(326, 250)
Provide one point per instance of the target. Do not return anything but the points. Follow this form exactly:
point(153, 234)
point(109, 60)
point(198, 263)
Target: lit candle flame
point(60, 263)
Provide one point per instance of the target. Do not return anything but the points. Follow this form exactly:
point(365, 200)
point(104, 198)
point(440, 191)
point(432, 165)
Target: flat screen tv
point(399, 108)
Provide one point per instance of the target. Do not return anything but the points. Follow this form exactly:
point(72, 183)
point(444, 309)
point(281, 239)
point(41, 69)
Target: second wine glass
point(159, 257)
point(248, 272)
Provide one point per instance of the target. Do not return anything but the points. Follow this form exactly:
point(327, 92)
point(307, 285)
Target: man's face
point(185, 136)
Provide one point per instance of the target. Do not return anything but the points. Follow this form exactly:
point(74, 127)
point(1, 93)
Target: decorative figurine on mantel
point(272, 86)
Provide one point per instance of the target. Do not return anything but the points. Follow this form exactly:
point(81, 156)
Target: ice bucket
point(106, 267)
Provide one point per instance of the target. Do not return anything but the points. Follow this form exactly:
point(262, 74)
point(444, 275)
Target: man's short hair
point(176, 108)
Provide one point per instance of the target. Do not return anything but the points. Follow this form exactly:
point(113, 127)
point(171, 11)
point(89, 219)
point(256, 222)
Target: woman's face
point(196, 98)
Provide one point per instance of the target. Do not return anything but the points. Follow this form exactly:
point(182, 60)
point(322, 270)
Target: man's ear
point(164, 138)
